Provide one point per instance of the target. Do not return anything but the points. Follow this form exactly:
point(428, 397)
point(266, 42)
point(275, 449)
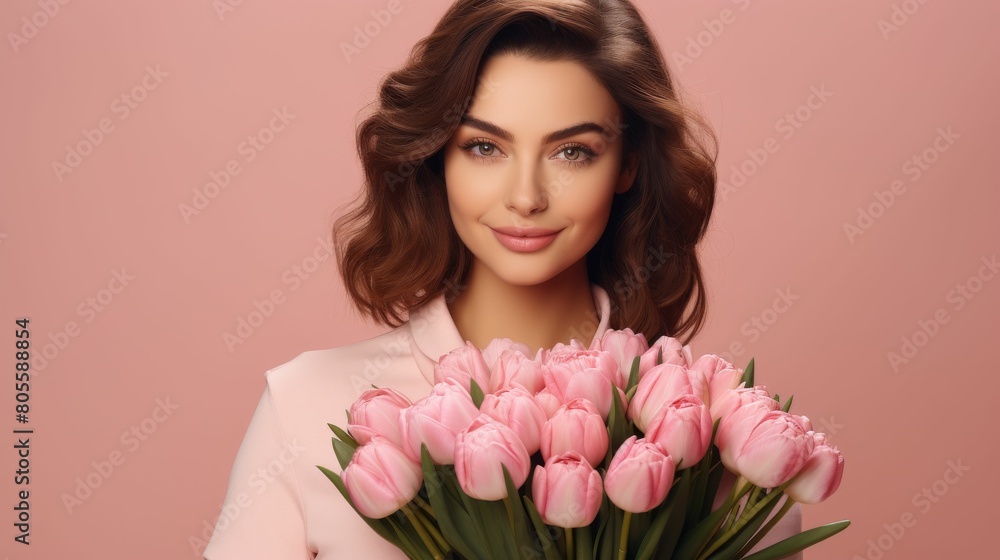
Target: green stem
point(745, 518)
point(422, 531)
point(767, 527)
point(425, 506)
point(434, 531)
point(623, 543)
point(740, 487)
point(569, 543)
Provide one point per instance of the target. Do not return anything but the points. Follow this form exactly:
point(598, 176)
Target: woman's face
point(539, 147)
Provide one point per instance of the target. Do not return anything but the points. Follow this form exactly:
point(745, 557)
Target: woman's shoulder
point(345, 371)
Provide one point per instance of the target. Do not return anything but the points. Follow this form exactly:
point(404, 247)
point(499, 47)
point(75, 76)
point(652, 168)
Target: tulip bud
point(569, 361)
point(729, 401)
point(661, 385)
point(513, 367)
point(820, 476)
point(624, 346)
point(567, 491)
point(481, 452)
point(436, 420)
point(517, 409)
point(684, 429)
point(673, 353)
point(640, 476)
point(577, 426)
point(720, 375)
point(463, 363)
point(498, 346)
point(376, 412)
point(381, 478)
point(776, 449)
point(735, 428)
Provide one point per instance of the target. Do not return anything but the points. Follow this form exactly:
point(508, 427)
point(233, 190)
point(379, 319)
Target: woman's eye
point(577, 154)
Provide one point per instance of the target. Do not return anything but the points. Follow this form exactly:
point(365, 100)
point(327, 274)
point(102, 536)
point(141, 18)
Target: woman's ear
point(630, 165)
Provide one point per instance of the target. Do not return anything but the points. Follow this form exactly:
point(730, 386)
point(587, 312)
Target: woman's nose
point(526, 193)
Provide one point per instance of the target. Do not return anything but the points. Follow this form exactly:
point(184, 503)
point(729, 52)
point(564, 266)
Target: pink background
point(159, 338)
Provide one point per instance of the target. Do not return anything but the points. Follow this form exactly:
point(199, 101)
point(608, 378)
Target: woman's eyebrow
point(491, 128)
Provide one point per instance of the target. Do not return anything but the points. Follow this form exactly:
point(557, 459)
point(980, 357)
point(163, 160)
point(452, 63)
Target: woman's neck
point(538, 315)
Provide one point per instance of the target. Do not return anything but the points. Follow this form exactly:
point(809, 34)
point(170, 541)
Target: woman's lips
point(525, 243)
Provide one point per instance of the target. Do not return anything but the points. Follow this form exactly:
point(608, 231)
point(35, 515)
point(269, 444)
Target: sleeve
point(262, 517)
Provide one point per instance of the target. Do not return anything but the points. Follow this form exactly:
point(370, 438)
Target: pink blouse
point(279, 506)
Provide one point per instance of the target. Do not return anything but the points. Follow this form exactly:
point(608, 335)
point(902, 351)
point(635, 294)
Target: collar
point(435, 334)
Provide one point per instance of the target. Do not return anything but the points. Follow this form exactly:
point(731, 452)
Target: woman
point(530, 174)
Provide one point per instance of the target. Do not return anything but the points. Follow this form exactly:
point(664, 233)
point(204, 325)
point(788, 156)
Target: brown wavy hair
point(398, 248)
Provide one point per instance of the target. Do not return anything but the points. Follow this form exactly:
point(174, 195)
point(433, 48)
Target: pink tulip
point(574, 346)
point(381, 478)
point(820, 476)
point(463, 363)
point(661, 385)
point(569, 361)
point(776, 450)
point(729, 401)
point(517, 409)
point(480, 451)
point(513, 367)
point(593, 384)
point(720, 375)
point(673, 353)
point(376, 412)
point(735, 428)
point(549, 402)
point(624, 346)
point(579, 427)
point(640, 476)
point(684, 429)
point(567, 491)
point(436, 420)
point(498, 346)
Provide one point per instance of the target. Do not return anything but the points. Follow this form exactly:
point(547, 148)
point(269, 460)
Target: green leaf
point(788, 404)
point(452, 519)
point(343, 451)
point(748, 374)
point(633, 375)
point(498, 530)
point(516, 510)
point(798, 542)
point(618, 430)
point(602, 548)
point(541, 529)
point(736, 542)
point(409, 540)
point(476, 392)
point(693, 539)
point(343, 435)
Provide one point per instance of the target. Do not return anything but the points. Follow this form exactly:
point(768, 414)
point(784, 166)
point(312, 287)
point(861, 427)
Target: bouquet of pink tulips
point(616, 451)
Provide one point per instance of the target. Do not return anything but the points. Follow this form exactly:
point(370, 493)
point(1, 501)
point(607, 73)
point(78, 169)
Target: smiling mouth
point(529, 240)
